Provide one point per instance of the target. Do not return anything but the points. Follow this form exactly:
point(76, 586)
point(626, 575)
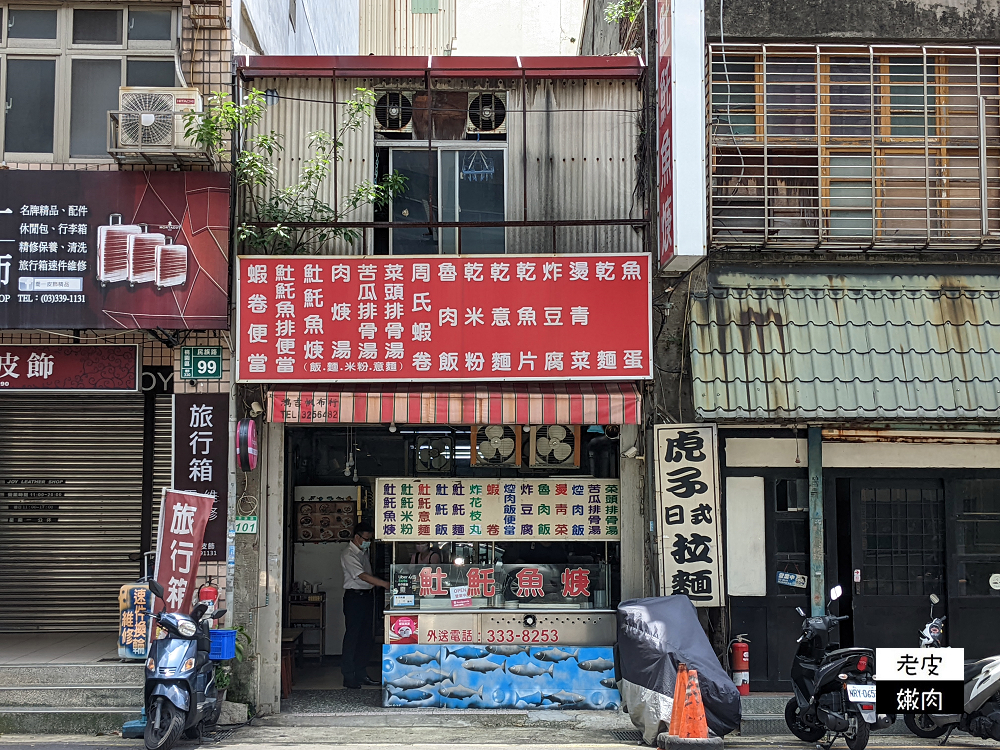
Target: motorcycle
point(180, 694)
point(981, 717)
point(834, 688)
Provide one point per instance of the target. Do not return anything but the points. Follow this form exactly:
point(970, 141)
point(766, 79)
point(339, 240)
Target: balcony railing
point(876, 147)
point(153, 138)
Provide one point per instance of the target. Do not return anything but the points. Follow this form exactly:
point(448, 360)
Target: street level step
point(70, 696)
point(78, 720)
point(764, 714)
point(112, 673)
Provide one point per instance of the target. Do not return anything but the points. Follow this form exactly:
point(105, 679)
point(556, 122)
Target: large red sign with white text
point(563, 317)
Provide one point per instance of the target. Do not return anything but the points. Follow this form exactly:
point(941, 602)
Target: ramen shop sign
point(512, 317)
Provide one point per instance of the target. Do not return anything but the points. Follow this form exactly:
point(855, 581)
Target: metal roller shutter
point(64, 554)
point(163, 446)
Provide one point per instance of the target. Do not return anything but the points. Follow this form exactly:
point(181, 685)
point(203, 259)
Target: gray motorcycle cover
point(655, 635)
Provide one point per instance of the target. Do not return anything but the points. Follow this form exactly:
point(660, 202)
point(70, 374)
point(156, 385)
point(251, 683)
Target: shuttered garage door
point(64, 551)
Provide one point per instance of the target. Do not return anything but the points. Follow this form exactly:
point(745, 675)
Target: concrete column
point(817, 576)
point(270, 566)
point(631, 516)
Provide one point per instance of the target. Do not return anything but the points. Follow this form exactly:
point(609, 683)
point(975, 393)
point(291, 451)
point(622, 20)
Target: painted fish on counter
point(534, 699)
point(507, 650)
point(609, 682)
point(556, 655)
point(431, 676)
point(460, 691)
point(563, 698)
point(468, 652)
point(484, 665)
point(408, 681)
point(531, 670)
point(417, 659)
point(597, 665)
point(412, 695)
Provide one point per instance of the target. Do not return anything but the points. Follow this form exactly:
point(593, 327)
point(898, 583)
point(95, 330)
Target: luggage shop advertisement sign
point(687, 502)
point(201, 459)
point(563, 509)
point(183, 517)
point(541, 317)
point(120, 250)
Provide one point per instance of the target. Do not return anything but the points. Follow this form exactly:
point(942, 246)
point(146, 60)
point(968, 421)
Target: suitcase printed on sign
point(171, 265)
point(112, 249)
point(142, 256)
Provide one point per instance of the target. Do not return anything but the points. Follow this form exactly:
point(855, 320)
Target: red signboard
point(183, 518)
point(69, 367)
point(83, 249)
point(664, 130)
point(446, 318)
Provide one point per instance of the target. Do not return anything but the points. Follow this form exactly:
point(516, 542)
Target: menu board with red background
point(511, 317)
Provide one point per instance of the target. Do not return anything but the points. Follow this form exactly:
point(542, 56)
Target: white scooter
point(981, 717)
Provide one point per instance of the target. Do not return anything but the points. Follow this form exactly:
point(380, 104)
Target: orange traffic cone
point(688, 726)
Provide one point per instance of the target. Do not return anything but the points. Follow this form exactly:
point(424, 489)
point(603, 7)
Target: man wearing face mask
point(359, 605)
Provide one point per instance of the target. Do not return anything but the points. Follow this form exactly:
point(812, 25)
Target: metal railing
point(153, 138)
point(875, 147)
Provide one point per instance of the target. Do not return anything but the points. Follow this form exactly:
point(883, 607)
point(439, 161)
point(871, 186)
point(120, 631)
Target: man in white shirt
point(359, 605)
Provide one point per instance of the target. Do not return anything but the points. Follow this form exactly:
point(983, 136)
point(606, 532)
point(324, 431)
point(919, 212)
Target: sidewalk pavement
point(446, 730)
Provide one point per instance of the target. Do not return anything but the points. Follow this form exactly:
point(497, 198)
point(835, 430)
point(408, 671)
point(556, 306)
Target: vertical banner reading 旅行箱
point(201, 459)
point(687, 504)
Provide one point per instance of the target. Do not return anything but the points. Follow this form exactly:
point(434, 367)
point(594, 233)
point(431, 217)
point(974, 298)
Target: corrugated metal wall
point(65, 573)
point(163, 437)
point(307, 105)
point(390, 27)
point(579, 140)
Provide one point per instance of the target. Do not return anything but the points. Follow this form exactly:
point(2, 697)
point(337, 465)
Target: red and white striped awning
point(513, 403)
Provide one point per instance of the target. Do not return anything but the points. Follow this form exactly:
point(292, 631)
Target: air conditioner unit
point(394, 112)
point(487, 112)
point(158, 117)
point(496, 445)
point(435, 454)
point(555, 445)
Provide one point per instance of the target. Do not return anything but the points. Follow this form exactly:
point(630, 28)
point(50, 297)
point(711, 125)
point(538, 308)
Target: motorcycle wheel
point(922, 726)
point(171, 725)
point(799, 728)
point(860, 739)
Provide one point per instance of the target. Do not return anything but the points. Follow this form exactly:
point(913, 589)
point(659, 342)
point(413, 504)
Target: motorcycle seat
point(972, 669)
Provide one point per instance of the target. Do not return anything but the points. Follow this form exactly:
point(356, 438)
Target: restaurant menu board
point(367, 318)
point(562, 509)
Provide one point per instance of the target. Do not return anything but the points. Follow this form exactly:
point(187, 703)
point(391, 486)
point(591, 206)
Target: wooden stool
point(287, 665)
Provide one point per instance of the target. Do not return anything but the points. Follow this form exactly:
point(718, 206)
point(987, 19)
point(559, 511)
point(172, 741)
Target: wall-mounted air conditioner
point(157, 119)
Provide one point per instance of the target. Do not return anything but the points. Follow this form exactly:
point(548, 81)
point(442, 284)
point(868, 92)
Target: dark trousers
point(359, 606)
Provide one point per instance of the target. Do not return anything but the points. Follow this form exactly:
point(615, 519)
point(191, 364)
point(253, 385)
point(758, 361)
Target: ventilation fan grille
point(435, 454)
point(497, 445)
point(487, 113)
point(156, 129)
point(394, 111)
point(555, 445)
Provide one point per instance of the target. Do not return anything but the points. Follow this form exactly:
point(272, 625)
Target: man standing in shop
point(359, 606)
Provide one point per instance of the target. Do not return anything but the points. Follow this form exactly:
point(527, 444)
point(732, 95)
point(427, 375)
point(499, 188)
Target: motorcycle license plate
point(861, 693)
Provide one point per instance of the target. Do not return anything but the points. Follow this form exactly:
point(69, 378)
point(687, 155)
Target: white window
point(61, 68)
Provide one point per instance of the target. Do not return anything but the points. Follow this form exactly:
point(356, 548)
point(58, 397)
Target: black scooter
point(834, 687)
point(180, 694)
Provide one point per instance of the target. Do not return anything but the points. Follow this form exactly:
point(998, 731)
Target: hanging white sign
point(687, 501)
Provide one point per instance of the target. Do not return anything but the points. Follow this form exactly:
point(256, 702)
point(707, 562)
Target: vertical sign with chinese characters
point(687, 501)
point(201, 444)
point(920, 680)
point(183, 517)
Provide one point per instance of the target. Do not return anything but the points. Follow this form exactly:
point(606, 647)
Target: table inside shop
point(292, 638)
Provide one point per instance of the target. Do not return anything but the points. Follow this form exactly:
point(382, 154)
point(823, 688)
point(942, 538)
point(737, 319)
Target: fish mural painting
point(475, 676)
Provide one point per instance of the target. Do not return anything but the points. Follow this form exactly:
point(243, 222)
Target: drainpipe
point(817, 578)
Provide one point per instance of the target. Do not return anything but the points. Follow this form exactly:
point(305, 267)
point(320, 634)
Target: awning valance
point(526, 404)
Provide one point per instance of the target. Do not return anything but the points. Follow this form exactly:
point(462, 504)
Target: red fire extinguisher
point(209, 592)
point(739, 662)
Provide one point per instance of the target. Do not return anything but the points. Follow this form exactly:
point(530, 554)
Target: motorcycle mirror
point(835, 593)
point(156, 588)
point(935, 599)
point(219, 615)
point(800, 612)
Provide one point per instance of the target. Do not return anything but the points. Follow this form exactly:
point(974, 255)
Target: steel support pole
point(817, 578)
